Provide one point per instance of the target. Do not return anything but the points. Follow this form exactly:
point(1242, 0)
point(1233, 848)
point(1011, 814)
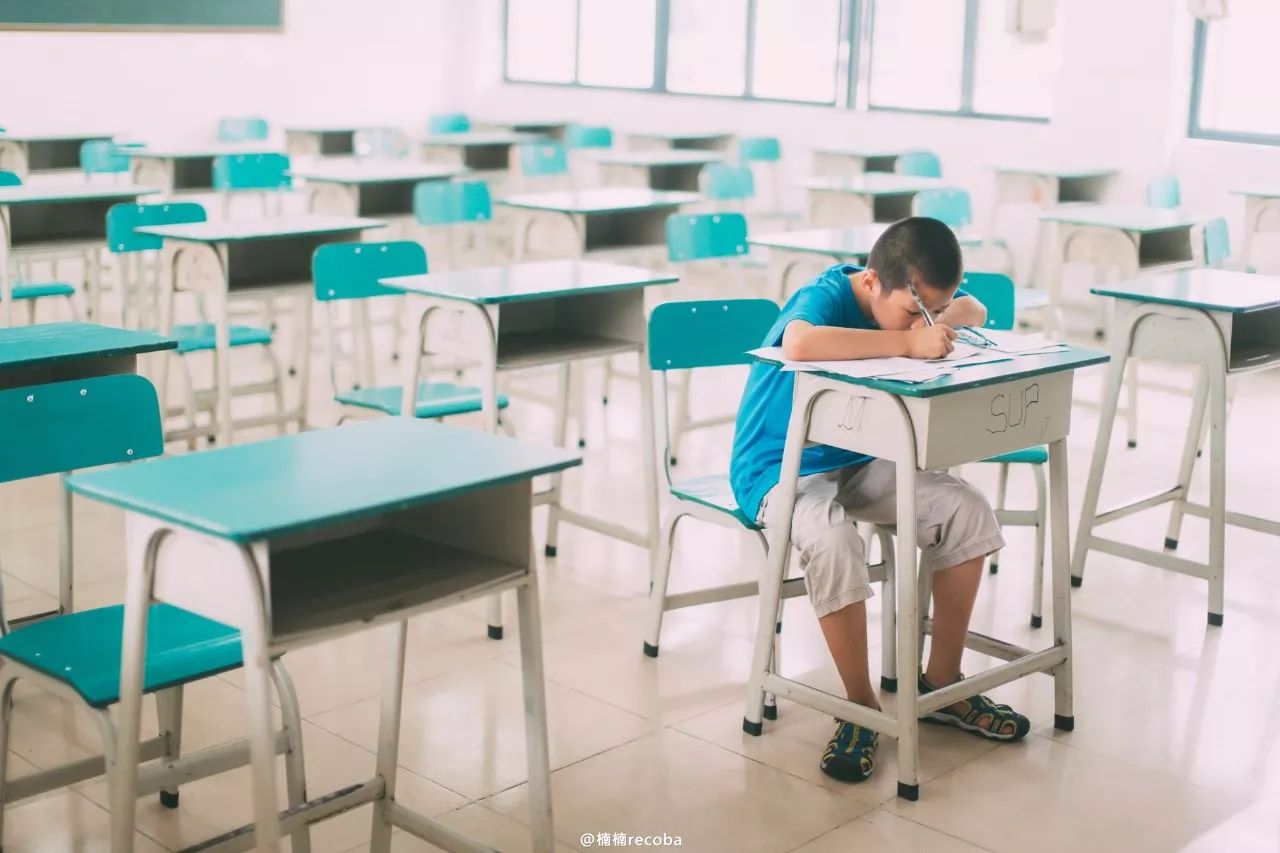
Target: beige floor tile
point(63, 822)
point(485, 825)
point(883, 830)
point(465, 730)
point(671, 783)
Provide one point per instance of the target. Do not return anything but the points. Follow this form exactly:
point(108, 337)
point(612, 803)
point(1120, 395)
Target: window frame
point(1196, 130)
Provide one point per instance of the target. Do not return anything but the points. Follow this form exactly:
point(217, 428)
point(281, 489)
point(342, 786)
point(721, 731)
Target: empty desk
point(548, 128)
point(482, 152)
point(855, 159)
point(321, 140)
point(571, 224)
point(680, 140)
point(382, 188)
point(866, 198)
point(27, 153)
point(656, 170)
point(183, 170)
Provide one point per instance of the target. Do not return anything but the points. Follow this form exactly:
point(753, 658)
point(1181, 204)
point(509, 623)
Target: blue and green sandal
point(851, 752)
point(979, 715)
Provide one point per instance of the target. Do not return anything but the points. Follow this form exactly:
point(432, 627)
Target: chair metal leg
point(6, 723)
point(661, 576)
point(1131, 416)
point(1042, 518)
point(1002, 491)
point(561, 427)
point(681, 418)
point(169, 717)
point(1186, 466)
point(888, 614)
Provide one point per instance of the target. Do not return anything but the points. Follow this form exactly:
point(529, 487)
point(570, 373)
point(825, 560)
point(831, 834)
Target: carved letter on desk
point(851, 420)
point(1013, 410)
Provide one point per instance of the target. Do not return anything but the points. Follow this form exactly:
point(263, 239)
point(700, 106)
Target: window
point(615, 43)
point(1012, 76)
point(707, 47)
point(1234, 63)
point(540, 40)
point(796, 50)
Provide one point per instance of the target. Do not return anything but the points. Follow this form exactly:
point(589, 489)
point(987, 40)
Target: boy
point(849, 313)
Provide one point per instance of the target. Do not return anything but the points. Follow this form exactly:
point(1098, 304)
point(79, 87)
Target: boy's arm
point(965, 311)
point(803, 341)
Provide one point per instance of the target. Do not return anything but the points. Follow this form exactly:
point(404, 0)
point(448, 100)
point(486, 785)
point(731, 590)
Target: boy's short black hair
point(919, 249)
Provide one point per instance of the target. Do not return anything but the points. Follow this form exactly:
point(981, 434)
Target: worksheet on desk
point(917, 370)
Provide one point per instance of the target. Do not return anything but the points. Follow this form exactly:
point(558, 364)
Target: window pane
point(795, 49)
point(1012, 76)
point(540, 36)
point(1239, 66)
point(917, 54)
point(707, 47)
point(616, 43)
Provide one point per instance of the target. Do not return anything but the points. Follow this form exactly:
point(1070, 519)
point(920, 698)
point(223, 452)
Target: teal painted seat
point(449, 123)
point(251, 172)
point(200, 337)
point(705, 236)
point(726, 182)
point(39, 291)
point(452, 202)
point(10, 179)
point(30, 293)
point(243, 129)
point(82, 650)
point(1164, 191)
point(1217, 242)
point(351, 271)
point(588, 136)
point(542, 159)
point(951, 206)
point(921, 164)
point(759, 149)
point(996, 291)
point(714, 492)
point(1029, 456)
point(102, 156)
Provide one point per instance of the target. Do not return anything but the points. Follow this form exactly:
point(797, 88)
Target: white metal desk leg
point(66, 564)
point(1217, 376)
point(561, 428)
point(1063, 707)
point(305, 318)
point(908, 623)
point(257, 687)
point(648, 454)
point(389, 733)
point(535, 713)
point(222, 368)
point(1186, 467)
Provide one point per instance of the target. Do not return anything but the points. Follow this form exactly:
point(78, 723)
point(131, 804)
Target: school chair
point(1217, 243)
point(955, 208)
point(63, 426)
point(718, 333)
point(996, 291)
point(28, 293)
point(102, 157)
point(452, 206)
point(350, 272)
point(921, 164)
point(543, 164)
point(729, 187)
point(243, 129)
point(381, 143)
point(449, 123)
point(139, 295)
point(578, 136)
point(764, 153)
point(1164, 191)
point(267, 174)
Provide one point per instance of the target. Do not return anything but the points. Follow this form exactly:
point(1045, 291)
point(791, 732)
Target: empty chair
point(267, 174)
point(1164, 191)
point(587, 136)
point(724, 182)
point(922, 164)
point(26, 292)
point(542, 160)
point(439, 204)
point(103, 157)
point(381, 143)
point(243, 129)
point(759, 149)
point(1217, 242)
point(448, 123)
point(955, 208)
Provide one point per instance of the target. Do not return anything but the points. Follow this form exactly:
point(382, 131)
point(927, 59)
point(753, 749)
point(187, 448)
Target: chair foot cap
point(674, 461)
point(495, 632)
point(582, 442)
point(1064, 723)
point(604, 401)
point(1077, 582)
point(753, 729)
point(1131, 444)
point(908, 792)
point(1215, 619)
point(771, 712)
point(1036, 621)
point(168, 800)
point(888, 685)
point(549, 550)
point(994, 568)
point(650, 651)
point(1170, 544)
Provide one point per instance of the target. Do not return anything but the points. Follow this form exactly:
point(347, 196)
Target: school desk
point(32, 153)
point(864, 199)
point(179, 169)
point(573, 223)
point(676, 169)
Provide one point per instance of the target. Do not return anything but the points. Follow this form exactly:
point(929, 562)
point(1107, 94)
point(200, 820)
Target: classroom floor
point(1177, 742)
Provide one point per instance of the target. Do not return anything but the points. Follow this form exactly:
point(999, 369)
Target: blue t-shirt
point(765, 411)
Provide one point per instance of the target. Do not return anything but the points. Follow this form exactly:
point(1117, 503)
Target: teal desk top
point(1260, 192)
point(479, 138)
point(293, 483)
point(47, 343)
point(673, 157)
point(1122, 217)
point(852, 242)
point(161, 152)
point(32, 136)
point(876, 183)
point(606, 200)
point(1055, 170)
point(231, 231)
point(528, 282)
point(378, 172)
point(980, 375)
point(1208, 289)
point(70, 193)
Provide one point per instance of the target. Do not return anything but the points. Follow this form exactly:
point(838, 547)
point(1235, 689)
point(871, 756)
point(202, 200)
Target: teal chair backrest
point(123, 219)
point(452, 202)
point(98, 156)
point(587, 136)
point(244, 129)
point(922, 164)
point(706, 235)
point(386, 142)
point(725, 182)
point(10, 179)
point(449, 123)
point(1164, 191)
point(1217, 242)
point(542, 159)
point(251, 172)
point(759, 149)
point(67, 426)
point(352, 270)
point(953, 207)
point(708, 333)
point(994, 290)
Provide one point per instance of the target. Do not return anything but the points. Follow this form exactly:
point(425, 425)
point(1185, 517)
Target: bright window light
point(1236, 95)
point(1011, 76)
point(796, 48)
point(917, 54)
point(707, 47)
point(540, 40)
point(615, 43)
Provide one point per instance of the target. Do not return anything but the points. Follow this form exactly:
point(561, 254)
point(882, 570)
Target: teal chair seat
point(199, 337)
point(435, 399)
point(37, 291)
point(1030, 456)
point(82, 650)
point(715, 492)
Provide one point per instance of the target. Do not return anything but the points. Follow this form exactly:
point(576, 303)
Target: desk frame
point(1261, 216)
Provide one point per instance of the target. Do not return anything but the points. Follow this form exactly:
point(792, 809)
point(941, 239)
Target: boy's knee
point(835, 569)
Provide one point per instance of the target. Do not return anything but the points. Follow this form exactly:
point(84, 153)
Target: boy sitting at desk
point(886, 309)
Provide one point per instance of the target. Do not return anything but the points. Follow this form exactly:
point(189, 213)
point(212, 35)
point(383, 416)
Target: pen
point(915, 294)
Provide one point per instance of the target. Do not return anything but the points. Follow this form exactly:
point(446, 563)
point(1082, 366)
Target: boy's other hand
point(931, 341)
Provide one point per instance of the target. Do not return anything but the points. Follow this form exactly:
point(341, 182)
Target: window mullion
point(661, 32)
point(970, 51)
point(748, 58)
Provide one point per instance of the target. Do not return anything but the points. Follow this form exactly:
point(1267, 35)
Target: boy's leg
point(845, 631)
point(954, 592)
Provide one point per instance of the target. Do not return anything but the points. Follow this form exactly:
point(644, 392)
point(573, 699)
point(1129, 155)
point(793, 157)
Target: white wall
point(335, 61)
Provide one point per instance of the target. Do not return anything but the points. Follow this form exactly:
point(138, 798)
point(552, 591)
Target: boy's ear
point(870, 281)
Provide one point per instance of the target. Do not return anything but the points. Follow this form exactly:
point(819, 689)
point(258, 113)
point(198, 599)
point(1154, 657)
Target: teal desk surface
point(478, 138)
point(70, 193)
point(979, 375)
point(1051, 169)
point(378, 172)
point(528, 282)
point(46, 343)
point(197, 152)
point(864, 151)
point(1259, 192)
point(876, 183)
point(33, 136)
point(855, 241)
point(1207, 289)
point(293, 483)
point(1122, 217)
point(673, 157)
point(230, 231)
point(605, 200)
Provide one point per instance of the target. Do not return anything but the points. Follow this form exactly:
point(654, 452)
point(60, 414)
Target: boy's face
point(895, 310)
